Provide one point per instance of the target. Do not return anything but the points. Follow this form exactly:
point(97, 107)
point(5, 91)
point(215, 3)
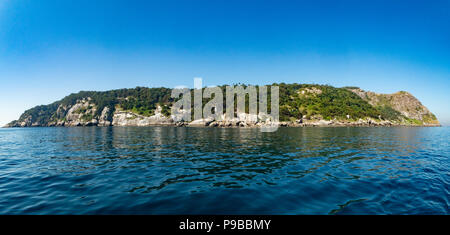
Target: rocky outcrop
point(402, 101)
point(309, 91)
point(81, 114)
point(126, 118)
point(103, 119)
point(24, 123)
point(241, 120)
point(201, 122)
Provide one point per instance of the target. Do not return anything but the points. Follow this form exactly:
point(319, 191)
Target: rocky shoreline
point(90, 109)
point(127, 118)
point(151, 121)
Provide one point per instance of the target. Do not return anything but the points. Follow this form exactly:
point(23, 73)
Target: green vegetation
point(413, 121)
point(351, 87)
point(141, 100)
point(388, 113)
point(166, 110)
point(81, 110)
point(430, 118)
point(41, 113)
point(296, 101)
point(87, 117)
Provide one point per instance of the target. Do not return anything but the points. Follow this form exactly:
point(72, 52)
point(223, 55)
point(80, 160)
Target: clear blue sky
point(49, 49)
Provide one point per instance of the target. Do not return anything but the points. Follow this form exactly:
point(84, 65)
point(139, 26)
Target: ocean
point(189, 170)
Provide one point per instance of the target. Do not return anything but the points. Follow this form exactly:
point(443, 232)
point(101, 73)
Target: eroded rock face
point(103, 119)
point(24, 123)
point(408, 105)
point(201, 122)
point(81, 114)
point(248, 118)
point(402, 101)
point(241, 120)
point(310, 91)
point(125, 118)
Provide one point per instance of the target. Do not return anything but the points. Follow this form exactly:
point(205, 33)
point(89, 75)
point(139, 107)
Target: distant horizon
point(50, 49)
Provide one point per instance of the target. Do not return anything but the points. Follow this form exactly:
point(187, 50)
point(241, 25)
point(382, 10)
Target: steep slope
point(410, 109)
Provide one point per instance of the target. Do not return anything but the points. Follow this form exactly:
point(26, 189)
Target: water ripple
point(166, 170)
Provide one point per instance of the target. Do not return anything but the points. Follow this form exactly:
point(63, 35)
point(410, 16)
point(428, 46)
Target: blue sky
point(49, 49)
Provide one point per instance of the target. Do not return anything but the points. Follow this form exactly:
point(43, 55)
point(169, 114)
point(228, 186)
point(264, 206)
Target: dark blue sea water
point(170, 170)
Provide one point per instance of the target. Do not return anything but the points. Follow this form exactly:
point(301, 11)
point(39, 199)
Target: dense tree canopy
point(296, 101)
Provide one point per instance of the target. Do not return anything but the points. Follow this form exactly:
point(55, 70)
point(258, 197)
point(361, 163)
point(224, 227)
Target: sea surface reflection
point(186, 170)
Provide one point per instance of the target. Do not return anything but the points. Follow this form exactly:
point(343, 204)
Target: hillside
point(300, 104)
point(407, 106)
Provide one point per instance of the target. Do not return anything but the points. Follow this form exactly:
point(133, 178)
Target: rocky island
point(300, 105)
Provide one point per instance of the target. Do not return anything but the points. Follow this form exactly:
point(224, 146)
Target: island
point(300, 105)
